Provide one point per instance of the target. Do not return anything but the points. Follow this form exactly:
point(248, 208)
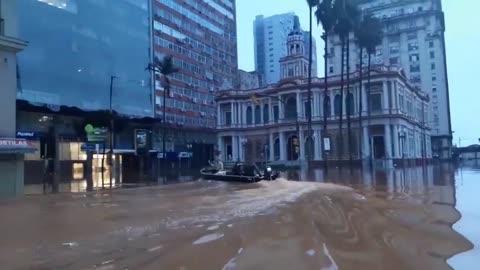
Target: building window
point(330, 69)
point(415, 68)
point(414, 58)
point(434, 79)
point(337, 104)
point(249, 115)
point(326, 106)
point(375, 102)
point(432, 55)
point(271, 55)
point(412, 36)
point(275, 113)
point(412, 46)
point(394, 49)
point(432, 66)
point(394, 61)
point(434, 90)
point(431, 44)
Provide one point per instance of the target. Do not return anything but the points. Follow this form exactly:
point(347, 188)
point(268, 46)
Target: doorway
point(378, 145)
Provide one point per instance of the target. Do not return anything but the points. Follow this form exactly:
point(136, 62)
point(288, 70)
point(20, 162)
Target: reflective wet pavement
point(415, 218)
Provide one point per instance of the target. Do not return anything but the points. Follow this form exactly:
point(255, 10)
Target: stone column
point(315, 104)
point(235, 155)
point(270, 147)
point(385, 96)
point(244, 113)
point(299, 105)
point(220, 146)
point(232, 115)
point(396, 148)
point(317, 145)
point(281, 109)
point(219, 114)
point(283, 146)
point(365, 143)
point(364, 98)
point(270, 111)
point(253, 114)
point(388, 141)
point(261, 113)
point(301, 141)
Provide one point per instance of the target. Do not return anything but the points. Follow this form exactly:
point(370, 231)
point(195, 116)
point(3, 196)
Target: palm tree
point(346, 11)
point(326, 16)
point(311, 5)
point(166, 68)
point(369, 36)
point(352, 13)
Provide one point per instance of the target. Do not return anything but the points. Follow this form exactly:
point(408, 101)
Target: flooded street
point(413, 218)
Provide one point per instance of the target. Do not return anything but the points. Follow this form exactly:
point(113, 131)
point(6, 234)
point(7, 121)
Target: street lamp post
point(189, 150)
point(112, 135)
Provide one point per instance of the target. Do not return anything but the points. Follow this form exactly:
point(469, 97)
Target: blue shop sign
point(27, 135)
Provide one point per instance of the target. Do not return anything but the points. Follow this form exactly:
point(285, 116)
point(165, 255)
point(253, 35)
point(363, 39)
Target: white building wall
point(419, 18)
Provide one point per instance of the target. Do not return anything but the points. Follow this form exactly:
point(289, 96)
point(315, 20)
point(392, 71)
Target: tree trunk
point(340, 123)
point(369, 105)
point(349, 124)
point(325, 95)
point(360, 105)
point(309, 126)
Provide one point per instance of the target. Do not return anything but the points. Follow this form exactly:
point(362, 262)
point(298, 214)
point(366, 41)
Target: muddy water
point(420, 218)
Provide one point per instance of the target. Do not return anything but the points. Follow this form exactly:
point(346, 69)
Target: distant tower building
point(295, 64)
point(270, 36)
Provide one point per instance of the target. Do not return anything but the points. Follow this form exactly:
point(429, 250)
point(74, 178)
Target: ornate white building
point(270, 124)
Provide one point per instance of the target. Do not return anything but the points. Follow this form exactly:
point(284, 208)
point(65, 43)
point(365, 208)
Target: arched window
point(291, 108)
point(298, 49)
point(249, 115)
point(266, 114)
point(257, 114)
point(326, 106)
point(350, 104)
point(337, 105)
point(291, 49)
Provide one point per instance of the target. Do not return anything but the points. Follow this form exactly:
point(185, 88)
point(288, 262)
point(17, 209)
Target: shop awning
point(15, 146)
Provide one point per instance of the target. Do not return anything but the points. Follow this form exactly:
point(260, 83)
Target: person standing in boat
point(217, 162)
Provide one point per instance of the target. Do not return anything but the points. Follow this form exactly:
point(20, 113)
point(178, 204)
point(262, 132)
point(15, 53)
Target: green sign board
point(96, 134)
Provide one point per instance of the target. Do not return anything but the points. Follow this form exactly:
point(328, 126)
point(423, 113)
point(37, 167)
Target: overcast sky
point(462, 39)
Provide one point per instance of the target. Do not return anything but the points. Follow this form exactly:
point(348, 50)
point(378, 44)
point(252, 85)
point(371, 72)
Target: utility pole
point(112, 134)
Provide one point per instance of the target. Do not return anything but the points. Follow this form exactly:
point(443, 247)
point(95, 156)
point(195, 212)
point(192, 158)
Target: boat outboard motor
point(267, 173)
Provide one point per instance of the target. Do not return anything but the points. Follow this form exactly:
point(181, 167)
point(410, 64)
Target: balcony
point(7, 43)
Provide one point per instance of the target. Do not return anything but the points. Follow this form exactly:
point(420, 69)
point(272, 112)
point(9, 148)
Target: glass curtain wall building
point(75, 46)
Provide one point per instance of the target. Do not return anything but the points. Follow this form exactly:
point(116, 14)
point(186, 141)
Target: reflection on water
point(398, 219)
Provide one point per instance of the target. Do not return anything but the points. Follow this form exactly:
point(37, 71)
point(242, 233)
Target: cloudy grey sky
point(462, 39)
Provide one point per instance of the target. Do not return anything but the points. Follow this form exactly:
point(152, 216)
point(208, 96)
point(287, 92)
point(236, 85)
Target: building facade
point(270, 124)
point(413, 40)
point(201, 37)
point(248, 80)
point(270, 36)
point(89, 57)
point(11, 154)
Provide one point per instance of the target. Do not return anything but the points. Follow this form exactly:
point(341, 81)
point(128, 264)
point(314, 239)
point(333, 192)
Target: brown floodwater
point(415, 218)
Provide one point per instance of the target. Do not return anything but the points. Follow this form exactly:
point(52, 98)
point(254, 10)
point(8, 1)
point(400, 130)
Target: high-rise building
point(81, 51)
point(248, 80)
point(414, 40)
point(270, 36)
point(201, 38)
